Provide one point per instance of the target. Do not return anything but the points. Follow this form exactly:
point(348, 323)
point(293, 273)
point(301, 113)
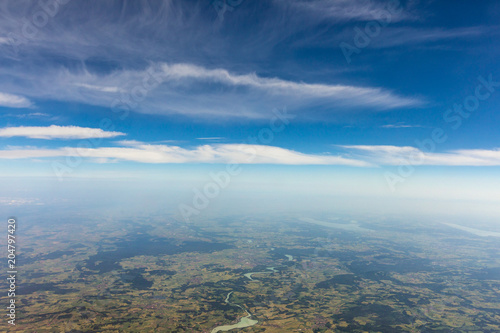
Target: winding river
point(244, 321)
point(249, 275)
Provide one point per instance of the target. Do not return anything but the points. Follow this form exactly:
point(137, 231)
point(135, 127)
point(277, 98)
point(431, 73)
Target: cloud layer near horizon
point(217, 153)
point(397, 155)
point(357, 156)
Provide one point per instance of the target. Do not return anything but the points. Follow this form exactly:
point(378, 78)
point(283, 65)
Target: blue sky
point(121, 88)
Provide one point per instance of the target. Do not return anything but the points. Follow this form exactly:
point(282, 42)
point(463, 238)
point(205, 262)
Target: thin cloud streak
point(56, 132)
point(400, 126)
point(28, 115)
point(99, 88)
point(399, 36)
point(221, 153)
point(355, 96)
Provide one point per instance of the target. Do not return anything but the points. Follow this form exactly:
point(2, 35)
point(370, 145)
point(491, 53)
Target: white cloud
point(221, 153)
point(14, 101)
point(358, 156)
point(57, 132)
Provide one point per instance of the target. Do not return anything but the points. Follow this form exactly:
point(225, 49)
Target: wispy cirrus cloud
point(231, 73)
point(14, 101)
point(347, 10)
point(353, 95)
point(56, 132)
point(399, 36)
point(194, 90)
